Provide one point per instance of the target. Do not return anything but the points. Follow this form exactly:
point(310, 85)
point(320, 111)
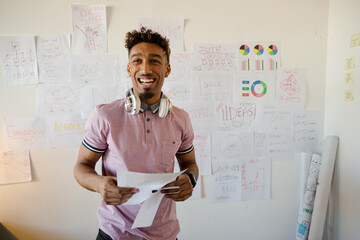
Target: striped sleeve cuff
point(91, 148)
point(182, 152)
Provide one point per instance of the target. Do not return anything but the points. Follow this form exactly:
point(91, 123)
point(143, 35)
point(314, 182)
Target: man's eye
point(136, 60)
point(155, 61)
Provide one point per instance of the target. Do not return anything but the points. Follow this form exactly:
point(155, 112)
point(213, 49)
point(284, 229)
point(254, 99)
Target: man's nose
point(146, 68)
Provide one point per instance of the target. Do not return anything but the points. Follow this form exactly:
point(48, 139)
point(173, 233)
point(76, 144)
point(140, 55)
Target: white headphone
point(132, 104)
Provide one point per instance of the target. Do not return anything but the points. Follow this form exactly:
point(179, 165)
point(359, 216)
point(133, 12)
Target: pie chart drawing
point(244, 50)
point(272, 50)
point(258, 50)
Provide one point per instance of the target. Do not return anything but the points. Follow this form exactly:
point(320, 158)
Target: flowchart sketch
point(212, 86)
point(23, 133)
point(15, 167)
point(305, 126)
point(90, 97)
point(235, 116)
point(53, 54)
point(255, 179)
point(171, 28)
point(232, 145)
point(214, 57)
point(259, 87)
point(291, 88)
point(270, 117)
point(65, 131)
point(202, 145)
point(258, 56)
point(226, 181)
point(89, 29)
point(93, 70)
point(57, 99)
point(19, 61)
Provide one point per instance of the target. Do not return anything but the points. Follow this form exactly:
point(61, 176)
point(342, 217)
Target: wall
point(342, 118)
point(54, 206)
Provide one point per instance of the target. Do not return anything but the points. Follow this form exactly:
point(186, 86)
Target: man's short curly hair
point(149, 36)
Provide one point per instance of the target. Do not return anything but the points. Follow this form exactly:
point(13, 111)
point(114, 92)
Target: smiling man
point(141, 133)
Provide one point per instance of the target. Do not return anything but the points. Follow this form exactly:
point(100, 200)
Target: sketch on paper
point(226, 181)
point(255, 179)
point(53, 54)
point(271, 118)
point(180, 67)
point(171, 28)
point(202, 144)
point(305, 127)
point(15, 167)
point(290, 90)
point(89, 29)
point(235, 116)
point(23, 133)
point(93, 70)
point(19, 60)
point(57, 99)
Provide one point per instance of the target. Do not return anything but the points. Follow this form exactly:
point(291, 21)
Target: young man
point(138, 136)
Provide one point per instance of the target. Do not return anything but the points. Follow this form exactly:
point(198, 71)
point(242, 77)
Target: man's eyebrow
point(150, 55)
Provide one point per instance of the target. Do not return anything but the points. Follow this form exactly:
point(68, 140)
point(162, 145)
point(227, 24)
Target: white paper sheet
point(56, 99)
point(23, 133)
point(291, 88)
point(211, 86)
point(171, 28)
point(214, 57)
point(53, 54)
point(305, 126)
point(232, 145)
point(202, 146)
point(255, 179)
point(226, 181)
point(276, 144)
point(201, 114)
point(196, 194)
point(65, 131)
point(269, 117)
point(89, 29)
point(93, 70)
point(14, 167)
point(259, 87)
point(19, 61)
point(146, 183)
point(258, 56)
point(121, 74)
point(234, 116)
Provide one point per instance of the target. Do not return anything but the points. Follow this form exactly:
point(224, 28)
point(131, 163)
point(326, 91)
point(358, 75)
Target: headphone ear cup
point(132, 103)
point(165, 107)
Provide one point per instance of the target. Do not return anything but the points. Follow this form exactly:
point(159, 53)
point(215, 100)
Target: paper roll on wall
point(323, 189)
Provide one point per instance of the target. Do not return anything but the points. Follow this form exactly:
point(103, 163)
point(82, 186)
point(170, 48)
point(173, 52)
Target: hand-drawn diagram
point(19, 60)
point(57, 99)
point(89, 29)
point(54, 58)
point(93, 70)
point(291, 87)
point(14, 167)
point(255, 179)
point(25, 133)
point(226, 181)
point(172, 28)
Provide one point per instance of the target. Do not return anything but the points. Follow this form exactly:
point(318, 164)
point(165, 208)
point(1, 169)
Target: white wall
point(54, 207)
point(342, 118)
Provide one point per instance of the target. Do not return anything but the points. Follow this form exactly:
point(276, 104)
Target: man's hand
point(184, 190)
point(112, 194)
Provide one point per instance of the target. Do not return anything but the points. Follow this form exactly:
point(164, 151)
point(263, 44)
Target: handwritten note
point(89, 29)
point(349, 77)
point(19, 60)
point(201, 114)
point(23, 133)
point(349, 95)
point(180, 67)
point(53, 54)
point(214, 57)
point(57, 99)
point(202, 145)
point(349, 63)
point(276, 144)
point(355, 40)
point(305, 130)
point(269, 117)
point(290, 89)
point(171, 28)
point(15, 167)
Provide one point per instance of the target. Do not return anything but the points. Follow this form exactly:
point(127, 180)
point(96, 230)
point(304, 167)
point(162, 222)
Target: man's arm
point(186, 161)
point(86, 176)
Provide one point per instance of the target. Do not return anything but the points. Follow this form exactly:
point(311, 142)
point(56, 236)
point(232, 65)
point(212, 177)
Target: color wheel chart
point(258, 49)
point(245, 64)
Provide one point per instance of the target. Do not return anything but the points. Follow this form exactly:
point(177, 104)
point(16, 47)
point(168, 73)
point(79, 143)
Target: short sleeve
point(96, 132)
point(187, 137)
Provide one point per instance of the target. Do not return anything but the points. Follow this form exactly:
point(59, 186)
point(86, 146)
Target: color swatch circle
point(261, 94)
point(272, 50)
point(258, 49)
point(244, 50)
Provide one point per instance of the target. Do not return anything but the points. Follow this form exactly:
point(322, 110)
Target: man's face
point(147, 68)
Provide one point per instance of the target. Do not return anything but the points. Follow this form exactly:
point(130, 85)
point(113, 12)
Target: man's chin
point(146, 95)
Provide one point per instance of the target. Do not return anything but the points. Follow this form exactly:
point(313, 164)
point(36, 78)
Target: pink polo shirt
point(139, 143)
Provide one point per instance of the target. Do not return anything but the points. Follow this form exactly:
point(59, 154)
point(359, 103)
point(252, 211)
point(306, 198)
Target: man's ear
point(128, 69)
point(168, 70)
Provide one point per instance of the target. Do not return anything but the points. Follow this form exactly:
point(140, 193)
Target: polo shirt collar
point(154, 108)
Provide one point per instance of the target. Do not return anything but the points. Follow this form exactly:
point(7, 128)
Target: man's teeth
point(146, 80)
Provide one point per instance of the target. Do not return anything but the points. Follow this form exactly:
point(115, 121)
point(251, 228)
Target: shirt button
point(148, 119)
point(148, 131)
